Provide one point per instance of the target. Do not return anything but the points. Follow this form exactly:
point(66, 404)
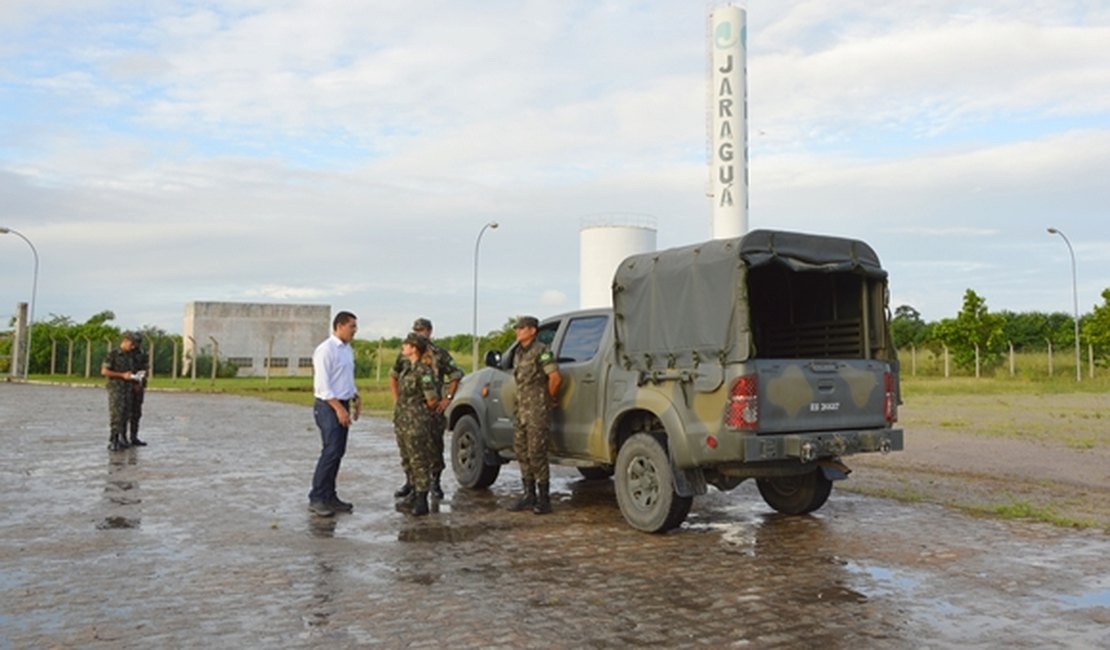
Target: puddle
point(1100, 598)
point(113, 523)
point(438, 533)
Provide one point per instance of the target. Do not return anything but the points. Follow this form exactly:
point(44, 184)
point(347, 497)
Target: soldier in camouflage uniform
point(537, 389)
point(120, 372)
point(139, 361)
point(447, 375)
point(413, 418)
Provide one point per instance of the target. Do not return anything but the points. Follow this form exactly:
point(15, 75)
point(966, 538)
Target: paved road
point(202, 539)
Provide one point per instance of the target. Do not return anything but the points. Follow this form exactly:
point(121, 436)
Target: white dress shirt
point(333, 370)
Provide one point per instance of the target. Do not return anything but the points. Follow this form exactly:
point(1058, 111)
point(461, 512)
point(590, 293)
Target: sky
point(350, 153)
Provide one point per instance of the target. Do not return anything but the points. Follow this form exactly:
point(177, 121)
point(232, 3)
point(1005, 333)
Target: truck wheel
point(468, 455)
point(796, 495)
point(595, 473)
point(645, 486)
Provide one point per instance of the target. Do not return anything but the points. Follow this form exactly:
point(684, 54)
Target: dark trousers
point(333, 437)
point(119, 409)
point(137, 394)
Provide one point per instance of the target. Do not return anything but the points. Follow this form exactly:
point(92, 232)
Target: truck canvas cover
point(689, 305)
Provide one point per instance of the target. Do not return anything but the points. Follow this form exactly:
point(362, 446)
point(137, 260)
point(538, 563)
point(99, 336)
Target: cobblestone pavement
point(203, 539)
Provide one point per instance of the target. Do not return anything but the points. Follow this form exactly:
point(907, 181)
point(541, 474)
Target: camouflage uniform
point(120, 395)
point(413, 421)
point(139, 361)
point(533, 410)
point(446, 371)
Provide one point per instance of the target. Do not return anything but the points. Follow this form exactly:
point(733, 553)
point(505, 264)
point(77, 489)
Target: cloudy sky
point(348, 153)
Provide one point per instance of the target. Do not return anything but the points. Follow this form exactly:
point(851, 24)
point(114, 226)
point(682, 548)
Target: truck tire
point(796, 495)
point(595, 473)
point(468, 455)
point(645, 485)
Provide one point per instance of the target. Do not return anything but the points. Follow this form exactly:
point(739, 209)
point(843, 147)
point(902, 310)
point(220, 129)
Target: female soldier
point(413, 417)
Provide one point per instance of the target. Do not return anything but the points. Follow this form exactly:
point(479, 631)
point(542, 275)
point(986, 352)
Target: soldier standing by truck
point(447, 375)
point(537, 389)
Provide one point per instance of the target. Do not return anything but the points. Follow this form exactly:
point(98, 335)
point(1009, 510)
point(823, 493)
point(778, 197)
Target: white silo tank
point(604, 242)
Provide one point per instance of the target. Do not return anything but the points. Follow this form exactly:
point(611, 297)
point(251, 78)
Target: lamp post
point(1074, 297)
point(34, 289)
point(474, 331)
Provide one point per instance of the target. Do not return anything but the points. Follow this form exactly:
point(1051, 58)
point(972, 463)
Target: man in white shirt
point(337, 405)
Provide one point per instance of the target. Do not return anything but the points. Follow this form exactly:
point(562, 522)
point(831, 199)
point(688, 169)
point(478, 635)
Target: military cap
point(422, 324)
point(526, 321)
point(414, 339)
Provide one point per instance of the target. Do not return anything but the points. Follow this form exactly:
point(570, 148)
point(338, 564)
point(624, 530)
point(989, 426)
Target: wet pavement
point(202, 539)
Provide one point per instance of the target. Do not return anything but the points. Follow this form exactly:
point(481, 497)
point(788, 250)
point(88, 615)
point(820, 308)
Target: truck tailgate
point(821, 394)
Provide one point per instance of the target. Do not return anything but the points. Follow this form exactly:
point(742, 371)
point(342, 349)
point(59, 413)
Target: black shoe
point(123, 444)
point(543, 500)
point(113, 446)
point(527, 500)
point(320, 509)
point(404, 490)
point(420, 504)
point(135, 442)
point(437, 490)
point(339, 505)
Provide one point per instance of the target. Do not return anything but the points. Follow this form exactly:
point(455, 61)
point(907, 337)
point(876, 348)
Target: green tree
point(973, 326)
point(907, 326)
point(1096, 329)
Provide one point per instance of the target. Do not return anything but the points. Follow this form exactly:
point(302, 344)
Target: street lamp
point(34, 289)
point(1074, 297)
point(474, 330)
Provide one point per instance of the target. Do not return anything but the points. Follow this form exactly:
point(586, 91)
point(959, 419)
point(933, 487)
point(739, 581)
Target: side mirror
point(493, 359)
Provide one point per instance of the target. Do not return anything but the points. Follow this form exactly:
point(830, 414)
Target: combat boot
point(528, 500)
point(543, 501)
point(437, 489)
point(404, 490)
point(420, 504)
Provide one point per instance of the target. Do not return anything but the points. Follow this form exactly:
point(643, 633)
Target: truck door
point(581, 365)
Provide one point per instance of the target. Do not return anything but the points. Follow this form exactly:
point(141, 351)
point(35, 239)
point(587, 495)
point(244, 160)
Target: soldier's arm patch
point(546, 358)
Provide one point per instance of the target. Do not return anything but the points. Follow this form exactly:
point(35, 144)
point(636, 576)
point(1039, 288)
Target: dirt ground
point(1047, 456)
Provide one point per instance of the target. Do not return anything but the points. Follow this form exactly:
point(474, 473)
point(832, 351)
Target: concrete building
point(257, 337)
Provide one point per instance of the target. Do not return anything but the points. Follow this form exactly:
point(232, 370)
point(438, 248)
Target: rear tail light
point(890, 402)
point(742, 412)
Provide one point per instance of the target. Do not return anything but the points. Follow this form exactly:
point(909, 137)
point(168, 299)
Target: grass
point(1024, 510)
point(376, 396)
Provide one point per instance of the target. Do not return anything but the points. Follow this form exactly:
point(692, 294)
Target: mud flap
point(833, 469)
point(688, 483)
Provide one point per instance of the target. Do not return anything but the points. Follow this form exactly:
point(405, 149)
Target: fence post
point(69, 357)
point(977, 361)
point(1011, 358)
point(173, 362)
point(215, 358)
point(1091, 360)
point(913, 359)
point(88, 357)
point(53, 353)
point(381, 342)
point(947, 373)
point(1049, 357)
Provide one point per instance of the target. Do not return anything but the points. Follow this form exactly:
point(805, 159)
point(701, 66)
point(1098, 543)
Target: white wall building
point(257, 337)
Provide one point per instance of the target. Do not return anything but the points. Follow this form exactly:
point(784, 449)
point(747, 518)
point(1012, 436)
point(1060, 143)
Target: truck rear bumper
point(808, 447)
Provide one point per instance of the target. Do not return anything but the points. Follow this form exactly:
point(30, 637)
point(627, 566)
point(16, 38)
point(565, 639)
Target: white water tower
point(604, 242)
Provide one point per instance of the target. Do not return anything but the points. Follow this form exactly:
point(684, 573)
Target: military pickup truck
point(765, 357)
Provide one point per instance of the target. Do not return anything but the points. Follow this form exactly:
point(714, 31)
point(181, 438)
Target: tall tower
point(728, 121)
